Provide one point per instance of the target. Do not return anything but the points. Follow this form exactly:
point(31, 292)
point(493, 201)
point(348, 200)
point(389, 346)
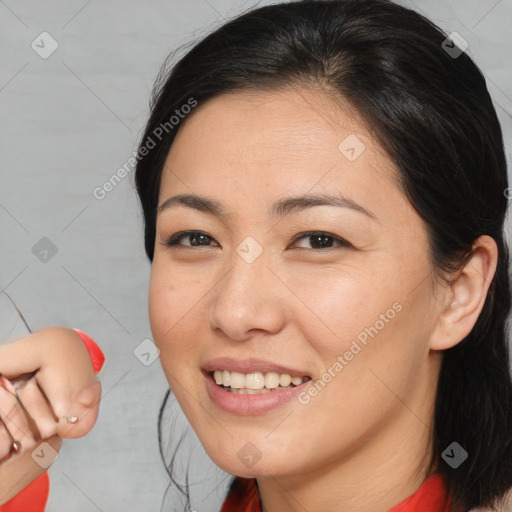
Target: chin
point(250, 462)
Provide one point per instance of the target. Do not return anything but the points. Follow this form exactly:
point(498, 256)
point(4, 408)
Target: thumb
point(81, 413)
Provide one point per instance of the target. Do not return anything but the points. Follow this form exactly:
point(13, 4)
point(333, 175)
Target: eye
point(320, 240)
point(317, 239)
point(194, 238)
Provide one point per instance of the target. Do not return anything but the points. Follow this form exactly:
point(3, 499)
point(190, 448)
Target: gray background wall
point(68, 122)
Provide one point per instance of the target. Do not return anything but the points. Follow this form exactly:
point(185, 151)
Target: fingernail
point(7, 385)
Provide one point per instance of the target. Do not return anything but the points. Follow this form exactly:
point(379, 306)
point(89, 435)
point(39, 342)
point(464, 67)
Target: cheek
point(361, 320)
point(157, 305)
point(172, 307)
point(173, 297)
point(336, 306)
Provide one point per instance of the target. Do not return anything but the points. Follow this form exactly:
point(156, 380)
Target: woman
point(323, 186)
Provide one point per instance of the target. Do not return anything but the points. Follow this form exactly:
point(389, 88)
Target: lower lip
point(250, 404)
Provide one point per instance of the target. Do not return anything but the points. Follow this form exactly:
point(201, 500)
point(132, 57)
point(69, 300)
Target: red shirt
point(430, 497)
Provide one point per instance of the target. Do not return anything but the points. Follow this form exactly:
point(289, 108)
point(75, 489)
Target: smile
point(247, 401)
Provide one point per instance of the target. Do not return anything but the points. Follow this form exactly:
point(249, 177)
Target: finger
point(84, 407)
point(14, 420)
point(19, 357)
point(5, 443)
point(70, 419)
point(38, 409)
point(74, 415)
point(25, 355)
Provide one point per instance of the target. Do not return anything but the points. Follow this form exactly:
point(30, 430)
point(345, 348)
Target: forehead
point(292, 139)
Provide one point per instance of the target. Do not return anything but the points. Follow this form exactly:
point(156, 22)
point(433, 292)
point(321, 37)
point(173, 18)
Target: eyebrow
point(279, 208)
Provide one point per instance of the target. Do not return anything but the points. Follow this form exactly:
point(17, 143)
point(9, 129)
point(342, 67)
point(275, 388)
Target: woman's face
point(335, 287)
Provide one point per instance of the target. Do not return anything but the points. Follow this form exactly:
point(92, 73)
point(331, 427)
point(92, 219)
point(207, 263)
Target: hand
point(59, 363)
point(18, 469)
point(50, 381)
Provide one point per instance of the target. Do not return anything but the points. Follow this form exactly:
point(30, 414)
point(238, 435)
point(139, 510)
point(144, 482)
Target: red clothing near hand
point(31, 499)
point(430, 497)
point(97, 356)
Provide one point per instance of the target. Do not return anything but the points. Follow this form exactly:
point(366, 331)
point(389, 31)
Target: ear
point(465, 295)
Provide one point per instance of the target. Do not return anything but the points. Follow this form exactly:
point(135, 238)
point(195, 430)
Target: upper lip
point(251, 366)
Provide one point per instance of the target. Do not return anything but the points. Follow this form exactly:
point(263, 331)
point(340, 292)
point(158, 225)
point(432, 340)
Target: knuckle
point(61, 406)
point(5, 447)
point(89, 396)
point(47, 428)
point(29, 443)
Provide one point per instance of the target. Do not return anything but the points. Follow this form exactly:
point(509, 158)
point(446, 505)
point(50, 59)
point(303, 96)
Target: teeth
point(285, 380)
point(256, 382)
point(271, 380)
point(248, 391)
point(237, 380)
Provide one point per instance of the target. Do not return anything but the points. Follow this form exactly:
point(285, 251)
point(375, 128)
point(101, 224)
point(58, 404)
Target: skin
point(363, 443)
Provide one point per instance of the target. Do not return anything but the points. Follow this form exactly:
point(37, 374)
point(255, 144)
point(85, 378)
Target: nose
point(248, 301)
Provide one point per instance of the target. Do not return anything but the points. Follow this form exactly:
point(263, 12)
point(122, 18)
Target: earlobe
point(465, 295)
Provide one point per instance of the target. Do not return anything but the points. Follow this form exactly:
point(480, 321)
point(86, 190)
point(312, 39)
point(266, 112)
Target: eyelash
point(174, 240)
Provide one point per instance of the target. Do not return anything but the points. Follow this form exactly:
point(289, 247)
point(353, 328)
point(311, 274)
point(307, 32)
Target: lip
point(251, 366)
point(247, 405)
